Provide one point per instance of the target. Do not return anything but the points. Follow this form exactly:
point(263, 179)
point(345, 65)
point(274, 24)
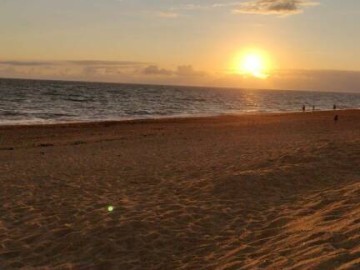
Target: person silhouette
point(303, 108)
point(334, 107)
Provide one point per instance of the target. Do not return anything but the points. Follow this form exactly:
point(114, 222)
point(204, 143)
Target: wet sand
point(277, 191)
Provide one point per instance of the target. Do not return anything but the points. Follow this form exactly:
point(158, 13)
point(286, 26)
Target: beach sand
point(275, 191)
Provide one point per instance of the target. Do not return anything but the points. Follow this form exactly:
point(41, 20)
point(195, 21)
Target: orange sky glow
point(305, 44)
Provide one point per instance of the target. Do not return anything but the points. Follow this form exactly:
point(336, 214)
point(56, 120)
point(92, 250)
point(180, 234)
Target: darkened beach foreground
point(277, 191)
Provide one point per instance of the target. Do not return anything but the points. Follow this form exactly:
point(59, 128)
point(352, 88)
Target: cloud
point(98, 70)
point(70, 69)
point(289, 79)
point(180, 71)
point(97, 63)
point(105, 63)
point(167, 14)
point(155, 70)
point(274, 7)
point(326, 80)
point(188, 71)
point(265, 7)
point(27, 63)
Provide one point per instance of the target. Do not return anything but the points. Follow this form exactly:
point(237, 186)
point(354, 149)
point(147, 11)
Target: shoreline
point(166, 118)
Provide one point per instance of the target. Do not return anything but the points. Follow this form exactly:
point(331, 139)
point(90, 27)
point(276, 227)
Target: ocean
point(44, 102)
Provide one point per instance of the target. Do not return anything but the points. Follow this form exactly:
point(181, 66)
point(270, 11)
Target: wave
point(62, 101)
point(12, 113)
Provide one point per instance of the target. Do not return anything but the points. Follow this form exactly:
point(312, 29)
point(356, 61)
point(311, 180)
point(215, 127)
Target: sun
point(253, 64)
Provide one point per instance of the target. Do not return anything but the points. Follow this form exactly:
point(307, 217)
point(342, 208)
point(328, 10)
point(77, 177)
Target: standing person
point(303, 108)
point(313, 107)
point(334, 107)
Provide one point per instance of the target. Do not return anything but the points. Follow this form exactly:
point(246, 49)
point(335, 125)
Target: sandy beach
point(274, 191)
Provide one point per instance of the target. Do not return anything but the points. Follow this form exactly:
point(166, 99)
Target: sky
point(306, 44)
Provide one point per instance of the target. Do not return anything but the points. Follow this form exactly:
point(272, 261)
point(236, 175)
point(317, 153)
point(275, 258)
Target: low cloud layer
point(155, 70)
point(274, 7)
point(106, 63)
point(71, 69)
point(26, 63)
point(182, 71)
point(97, 70)
point(73, 62)
point(313, 80)
point(138, 72)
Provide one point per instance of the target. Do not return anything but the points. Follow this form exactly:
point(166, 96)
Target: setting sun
point(254, 64)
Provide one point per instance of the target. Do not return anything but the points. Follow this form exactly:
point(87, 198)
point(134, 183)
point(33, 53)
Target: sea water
point(35, 101)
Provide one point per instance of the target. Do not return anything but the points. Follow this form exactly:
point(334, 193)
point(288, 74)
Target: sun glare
point(253, 64)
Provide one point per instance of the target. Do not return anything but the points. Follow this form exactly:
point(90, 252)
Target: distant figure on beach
point(334, 107)
point(313, 107)
point(336, 118)
point(303, 108)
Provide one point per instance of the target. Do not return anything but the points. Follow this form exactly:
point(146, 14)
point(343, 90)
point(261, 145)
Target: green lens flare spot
point(110, 208)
